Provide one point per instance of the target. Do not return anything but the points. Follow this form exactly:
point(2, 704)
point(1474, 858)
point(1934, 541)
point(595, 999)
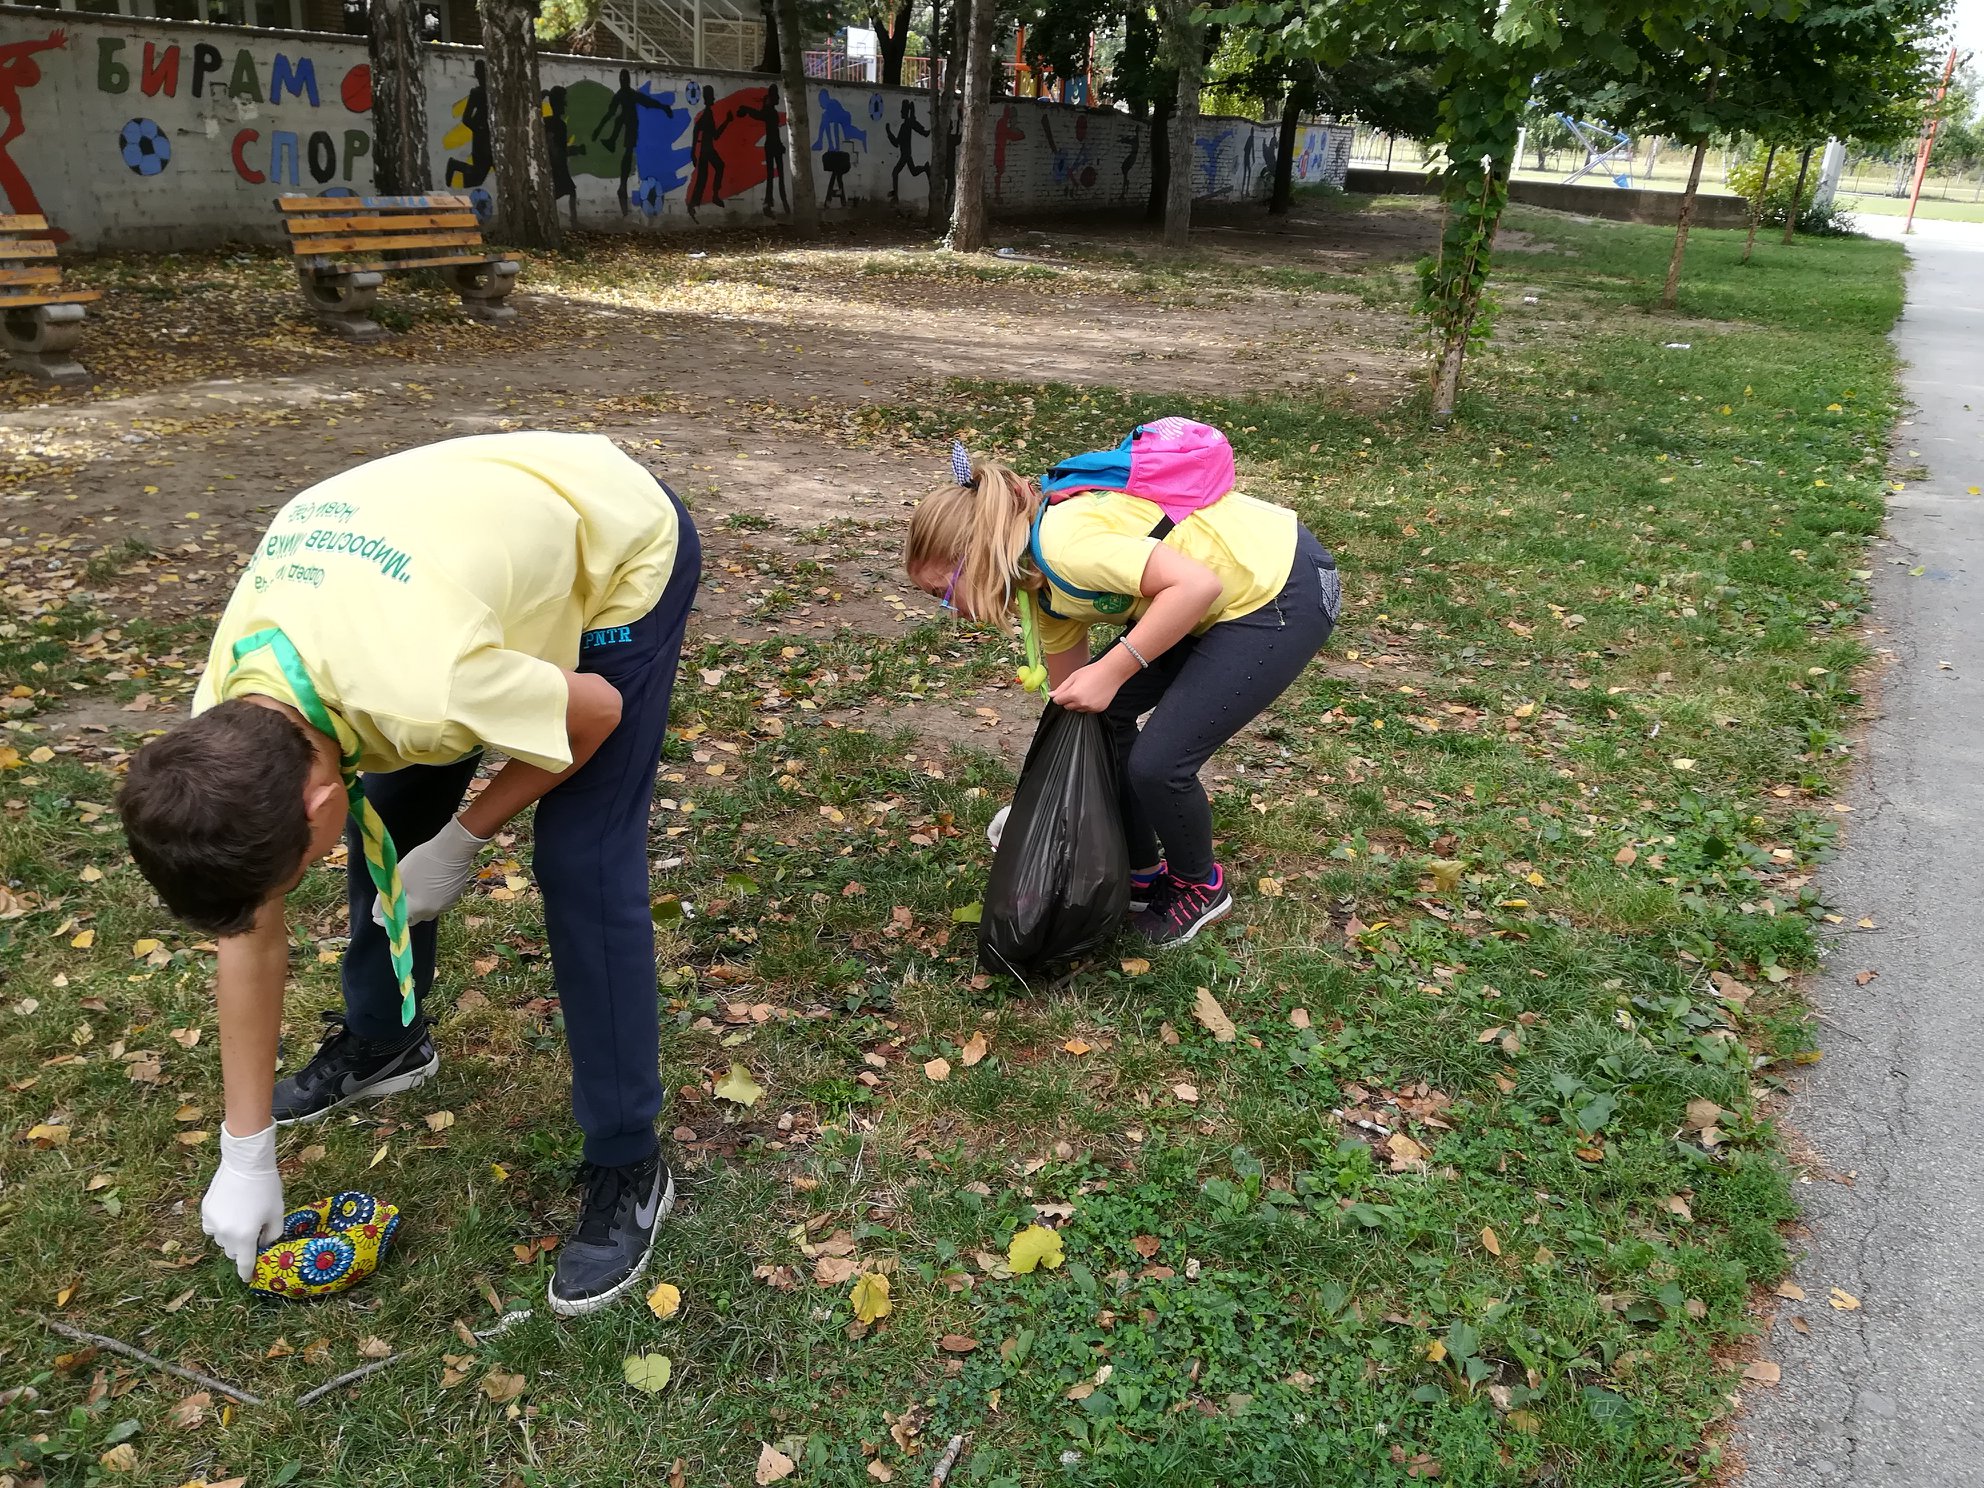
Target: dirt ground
point(733, 370)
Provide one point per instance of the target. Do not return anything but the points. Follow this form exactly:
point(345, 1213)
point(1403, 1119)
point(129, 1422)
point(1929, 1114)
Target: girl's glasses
point(951, 588)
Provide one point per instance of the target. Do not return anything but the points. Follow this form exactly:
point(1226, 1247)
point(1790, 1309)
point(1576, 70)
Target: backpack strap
point(1164, 528)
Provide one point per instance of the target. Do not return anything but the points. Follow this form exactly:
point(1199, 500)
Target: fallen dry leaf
point(1298, 1018)
point(122, 1458)
point(439, 1121)
point(936, 1069)
point(1078, 1048)
point(374, 1348)
point(1035, 1246)
point(738, 1087)
point(1186, 1092)
point(1762, 1372)
point(1135, 966)
point(975, 1049)
point(1491, 1242)
point(957, 1343)
point(773, 1465)
point(664, 1300)
point(1791, 1291)
point(190, 1411)
point(501, 1388)
point(1703, 1114)
point(1843, 1301)
point(1212, 1017)
point(870, 1297)
point(880, 1471)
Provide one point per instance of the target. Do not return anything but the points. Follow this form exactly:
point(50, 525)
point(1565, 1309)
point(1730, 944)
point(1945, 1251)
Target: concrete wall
point(132, 133)
point(1658, 208)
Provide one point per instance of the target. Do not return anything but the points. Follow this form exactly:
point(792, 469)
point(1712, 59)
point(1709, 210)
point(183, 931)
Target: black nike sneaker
point(347, 1068)
point(609, 1251)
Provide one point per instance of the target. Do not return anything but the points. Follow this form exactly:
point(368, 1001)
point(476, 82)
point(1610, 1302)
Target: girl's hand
point(1090, 690)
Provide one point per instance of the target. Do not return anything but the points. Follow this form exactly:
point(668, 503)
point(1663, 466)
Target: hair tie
point(960, 462)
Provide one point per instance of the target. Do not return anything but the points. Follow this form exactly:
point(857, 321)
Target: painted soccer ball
point(145, 147)
point(484, 204)
point(876, 106)
point(649, 196)
point(693, 93)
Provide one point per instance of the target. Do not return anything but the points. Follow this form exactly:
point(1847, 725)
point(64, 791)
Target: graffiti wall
point(135, 133)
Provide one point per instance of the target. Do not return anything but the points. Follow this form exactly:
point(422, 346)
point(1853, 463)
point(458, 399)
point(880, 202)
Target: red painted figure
point(18, 72)
point(1008, 132)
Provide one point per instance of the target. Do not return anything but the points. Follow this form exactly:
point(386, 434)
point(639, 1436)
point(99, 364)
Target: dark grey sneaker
point(609, 1251)
point(347, 1068)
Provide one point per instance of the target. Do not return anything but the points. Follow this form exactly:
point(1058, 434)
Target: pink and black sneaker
point(1180, 909)
point(1142, 885)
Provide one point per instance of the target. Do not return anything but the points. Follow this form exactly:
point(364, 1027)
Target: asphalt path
point(1891, 1392)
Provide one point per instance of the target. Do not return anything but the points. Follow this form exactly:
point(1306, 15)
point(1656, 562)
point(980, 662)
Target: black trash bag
point(1060, 880)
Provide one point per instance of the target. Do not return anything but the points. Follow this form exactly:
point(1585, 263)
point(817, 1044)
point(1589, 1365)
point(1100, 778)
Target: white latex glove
point(436, 873)
point(243, 1207)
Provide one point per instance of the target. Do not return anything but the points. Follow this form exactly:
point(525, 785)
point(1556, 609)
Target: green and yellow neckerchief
point(380, 860)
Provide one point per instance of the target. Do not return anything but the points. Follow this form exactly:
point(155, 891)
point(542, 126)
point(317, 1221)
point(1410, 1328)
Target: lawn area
point(1449, 1156)
point(1930, 206)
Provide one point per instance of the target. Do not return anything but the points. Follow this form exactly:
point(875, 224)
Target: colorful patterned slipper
point(327, 1246)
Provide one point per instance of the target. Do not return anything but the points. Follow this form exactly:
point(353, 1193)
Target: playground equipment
point(1604, 147)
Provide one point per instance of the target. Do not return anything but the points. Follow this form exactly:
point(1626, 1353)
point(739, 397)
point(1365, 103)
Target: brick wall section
point(152, 134)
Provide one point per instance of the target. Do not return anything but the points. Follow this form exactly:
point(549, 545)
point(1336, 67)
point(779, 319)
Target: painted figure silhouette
point(474, 171)
point(1008, 132)
point(558, 144)
point(768, 113)
point(622, 123)
point(1212, 149)
point(903, 139)
point(836, 125)
point(18, 73)
point(838, 163)
point(1130, 157)
point(702, 149)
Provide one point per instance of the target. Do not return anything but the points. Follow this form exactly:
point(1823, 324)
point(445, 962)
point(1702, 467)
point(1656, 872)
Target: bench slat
point(25, 248)
point(300, 227)
point(49, 275)
point(438, 201)
point(22, 222)
point(387, 243)
point(333, 267)
point(66, 297)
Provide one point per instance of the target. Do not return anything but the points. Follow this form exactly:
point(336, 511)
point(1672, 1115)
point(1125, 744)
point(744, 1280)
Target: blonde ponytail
point(981, 530)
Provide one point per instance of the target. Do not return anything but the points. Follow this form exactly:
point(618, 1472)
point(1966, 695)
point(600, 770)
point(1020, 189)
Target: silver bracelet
point(1142, 661)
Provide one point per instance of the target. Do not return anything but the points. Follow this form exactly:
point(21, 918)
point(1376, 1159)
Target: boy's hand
point(243, 1207)
point(436, 873)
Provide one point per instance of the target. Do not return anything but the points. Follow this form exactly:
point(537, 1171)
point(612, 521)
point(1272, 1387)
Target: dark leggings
point(591, 860)
point(1201, 693)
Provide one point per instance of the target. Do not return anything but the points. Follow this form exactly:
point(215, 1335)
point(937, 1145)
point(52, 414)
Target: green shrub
point(1824, 222)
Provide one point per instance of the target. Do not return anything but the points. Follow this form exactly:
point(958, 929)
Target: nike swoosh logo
point(350, 1085)
point(644, 1214)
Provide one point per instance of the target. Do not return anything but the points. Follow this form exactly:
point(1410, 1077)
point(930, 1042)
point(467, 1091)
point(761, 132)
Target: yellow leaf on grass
point(41, 756)
point(870, 1296)
point(937, 1069)
point(1033, 1247)
point(1626, 856)
point(143, 948)
point(1491, 1242)
point(1135, 966)
point(739, 1088)
point(975, 1048)
point(664, 1301)
point(1298, 1018)
point(1212, 1017)
point(122, 1458)
point(91, 874)
point(49, 1136)
point(84, 940)
point(773, 1466)
point(439, 1121)
point(648, 1373)
point(1078, 1047)
point(379, 1156)
point(501, 1388)
point(1446, 874)
point(1187, 1093)
point(1268, 888)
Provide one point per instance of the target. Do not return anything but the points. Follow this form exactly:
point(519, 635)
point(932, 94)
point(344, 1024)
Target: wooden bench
point(40, 321)
point(346, 245)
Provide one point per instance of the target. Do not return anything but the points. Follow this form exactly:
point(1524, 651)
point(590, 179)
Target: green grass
point(1526, 870)
point(1932, 207)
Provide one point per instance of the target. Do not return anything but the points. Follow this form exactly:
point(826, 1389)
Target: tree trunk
point(1453, 345)
point(1797, 194)
point(1757, 206)
point(1160, 156)
point(940, 119)
point(892, 43)
point(798, 115)
point(1187, 38)
point(1284, 159)
point(770, 59)
point(526, 211)
point(968, 216)
point(1681, 226)
point(399, 99)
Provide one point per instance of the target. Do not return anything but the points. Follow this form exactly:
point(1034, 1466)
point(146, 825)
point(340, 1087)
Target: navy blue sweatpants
point(591, 863)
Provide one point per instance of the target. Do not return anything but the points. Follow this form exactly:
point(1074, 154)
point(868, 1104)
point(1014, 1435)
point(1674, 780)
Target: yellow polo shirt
point(1102, 542)
point(437, 596)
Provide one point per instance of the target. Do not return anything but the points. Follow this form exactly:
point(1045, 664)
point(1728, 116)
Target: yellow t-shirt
point(1102, 542)
point(437, 595)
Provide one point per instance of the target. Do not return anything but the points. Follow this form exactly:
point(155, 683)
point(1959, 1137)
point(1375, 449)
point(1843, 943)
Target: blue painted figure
point(836, 125)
